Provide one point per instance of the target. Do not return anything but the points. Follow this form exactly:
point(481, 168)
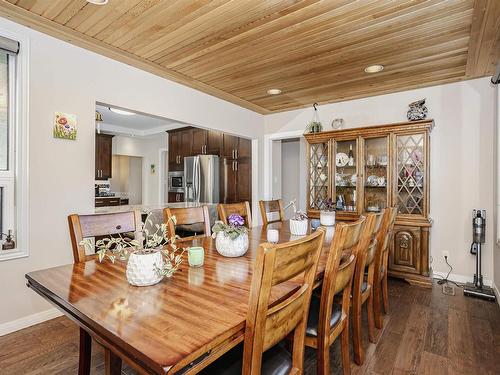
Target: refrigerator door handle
point(196, 179)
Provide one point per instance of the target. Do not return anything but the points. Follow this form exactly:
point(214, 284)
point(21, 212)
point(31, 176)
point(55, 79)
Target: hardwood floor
point(426, 332)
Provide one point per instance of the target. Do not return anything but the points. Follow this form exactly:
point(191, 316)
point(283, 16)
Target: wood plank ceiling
point(314, 51)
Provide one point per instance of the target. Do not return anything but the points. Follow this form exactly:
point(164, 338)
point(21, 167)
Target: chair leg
point(323, 365)
point(112, 362)
point(379, 320)
point(346, 362)
point(371, 323)
point(385, 295)
point(359, 355)
point(85, 353)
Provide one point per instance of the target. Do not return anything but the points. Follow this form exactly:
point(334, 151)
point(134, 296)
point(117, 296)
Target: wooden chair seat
point(275, 361)
point(332, 316)
point(267, 325)
point(313, 318)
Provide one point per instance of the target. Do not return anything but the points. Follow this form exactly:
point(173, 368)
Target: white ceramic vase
point(141, 268)
point(231, 248)
point(298, 227)
point(327, 218)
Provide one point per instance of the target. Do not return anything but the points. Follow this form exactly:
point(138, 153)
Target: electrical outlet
point(446, 254)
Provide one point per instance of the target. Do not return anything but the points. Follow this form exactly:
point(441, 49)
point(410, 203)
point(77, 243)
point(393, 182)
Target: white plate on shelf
point(372, 180)
point(341, 159)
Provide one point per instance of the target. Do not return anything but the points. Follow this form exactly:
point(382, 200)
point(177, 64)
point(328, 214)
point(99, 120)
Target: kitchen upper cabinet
point(186, 144)
point(174, 140)
point(230, 145)
point(199, 141)
point(180, 145)
point(103, 151)
point(214, 142)
point(206, 142)
point(244, 149)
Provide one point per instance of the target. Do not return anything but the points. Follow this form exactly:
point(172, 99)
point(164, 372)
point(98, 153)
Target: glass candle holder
point(273, 235)
point(315, 224)
point(196, 256)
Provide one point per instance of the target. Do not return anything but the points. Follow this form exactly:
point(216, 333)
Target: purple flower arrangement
point(235, 220)
point(233, 229)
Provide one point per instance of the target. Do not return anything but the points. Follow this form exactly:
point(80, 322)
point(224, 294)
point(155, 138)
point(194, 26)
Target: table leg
point(112, 362)
point(85, 353)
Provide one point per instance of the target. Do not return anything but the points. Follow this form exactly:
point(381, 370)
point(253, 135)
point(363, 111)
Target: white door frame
point(161, 175)
point(268, 154)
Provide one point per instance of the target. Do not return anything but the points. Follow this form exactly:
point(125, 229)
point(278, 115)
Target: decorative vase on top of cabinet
point(367, 169)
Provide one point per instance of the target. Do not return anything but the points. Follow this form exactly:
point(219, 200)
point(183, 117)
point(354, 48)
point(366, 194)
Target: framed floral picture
point(64, 126)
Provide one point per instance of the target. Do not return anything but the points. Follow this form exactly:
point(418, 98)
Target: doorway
point(288, 172)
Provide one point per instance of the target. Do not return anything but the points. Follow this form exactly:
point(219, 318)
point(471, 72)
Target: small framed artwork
point(64, 126)
point(153, 169)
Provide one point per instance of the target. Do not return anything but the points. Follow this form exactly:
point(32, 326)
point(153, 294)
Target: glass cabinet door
point(318, 175)
point(375, 175)
point(410, 189)
point(346, 159)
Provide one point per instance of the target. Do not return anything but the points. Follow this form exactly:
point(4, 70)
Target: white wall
point(148, 148)
point(61, 173)
point(290, 173)
point(496, 249)
point(462, 167)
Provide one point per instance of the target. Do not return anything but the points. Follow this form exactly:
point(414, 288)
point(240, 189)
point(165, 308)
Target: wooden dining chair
point(328, 319)
point(197, 218)
point(268, 324)
point(242, 209)
point(99, 225)
point(274, 207)
point(381, 265)
point(362, 288)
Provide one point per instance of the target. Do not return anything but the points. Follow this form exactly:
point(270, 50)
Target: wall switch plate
point(446, 254)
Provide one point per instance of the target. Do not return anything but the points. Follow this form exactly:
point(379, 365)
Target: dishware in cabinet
point(345, 185)
point(376, 173)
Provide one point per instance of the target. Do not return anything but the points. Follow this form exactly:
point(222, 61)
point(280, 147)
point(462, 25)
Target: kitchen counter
point(146, 209)
point(155, 213)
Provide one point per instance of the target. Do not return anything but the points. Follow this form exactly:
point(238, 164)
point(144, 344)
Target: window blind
point(9, 45)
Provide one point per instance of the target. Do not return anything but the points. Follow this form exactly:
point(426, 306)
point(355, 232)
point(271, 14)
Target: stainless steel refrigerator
point(201, 173)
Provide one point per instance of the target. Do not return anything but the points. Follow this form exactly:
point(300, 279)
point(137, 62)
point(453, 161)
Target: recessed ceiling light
point(374, 68)
point(121, 111)
point(97, 2)
point(274, 91)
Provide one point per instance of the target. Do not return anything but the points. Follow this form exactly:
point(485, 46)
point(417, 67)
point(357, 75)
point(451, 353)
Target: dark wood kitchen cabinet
point(103, 151)
point(180, 145)
point(206, 142)
point(236, 178)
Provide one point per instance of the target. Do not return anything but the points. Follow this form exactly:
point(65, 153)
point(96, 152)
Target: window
point(13, 166)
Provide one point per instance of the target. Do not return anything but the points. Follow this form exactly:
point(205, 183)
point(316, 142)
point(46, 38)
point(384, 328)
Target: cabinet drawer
point(105, 202)
point(405, 249)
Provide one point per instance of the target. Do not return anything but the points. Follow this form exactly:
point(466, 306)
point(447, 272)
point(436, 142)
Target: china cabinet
point(367, 169)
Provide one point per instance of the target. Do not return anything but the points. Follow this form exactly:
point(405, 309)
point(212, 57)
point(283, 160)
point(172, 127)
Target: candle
point(273, 235)
point(196, 256)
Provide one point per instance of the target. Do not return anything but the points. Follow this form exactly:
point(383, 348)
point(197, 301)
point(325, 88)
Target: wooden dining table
point(177, 326)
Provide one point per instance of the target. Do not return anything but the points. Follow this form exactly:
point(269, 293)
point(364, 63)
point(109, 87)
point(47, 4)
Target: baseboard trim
point(459, 278)
point(27, 321)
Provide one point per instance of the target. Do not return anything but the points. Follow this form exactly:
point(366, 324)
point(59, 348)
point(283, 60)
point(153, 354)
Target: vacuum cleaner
point(477, 288)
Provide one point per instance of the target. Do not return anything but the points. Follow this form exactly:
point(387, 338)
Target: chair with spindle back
point(381, 265)
point(362, 290)
point(99, 225)
point(242, 209)
point(328, 320)
point(274, 207)
point(267, 325)
point(194, 219)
